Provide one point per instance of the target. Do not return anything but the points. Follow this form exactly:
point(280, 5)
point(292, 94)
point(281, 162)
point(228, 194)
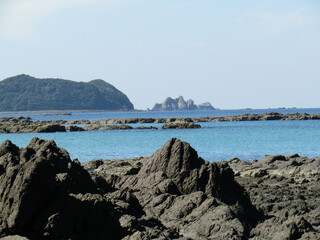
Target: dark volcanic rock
point(286, 189)
point(173, 194)
point(44, 195)
point(180, 125)
point(183, 192)
point(74, 128)
point(50, 128)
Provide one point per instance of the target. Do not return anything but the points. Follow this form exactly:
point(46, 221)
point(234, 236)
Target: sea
point(215, 141)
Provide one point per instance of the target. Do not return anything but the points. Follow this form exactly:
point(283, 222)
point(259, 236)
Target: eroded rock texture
point(172, 194)
point(287, 190)
point(45, 195)
point(198, 199)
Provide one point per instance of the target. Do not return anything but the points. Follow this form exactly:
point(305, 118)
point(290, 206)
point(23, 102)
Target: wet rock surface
point(180, 125)
point(172, 194)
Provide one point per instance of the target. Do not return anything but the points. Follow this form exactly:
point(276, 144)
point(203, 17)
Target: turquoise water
point(215, 141)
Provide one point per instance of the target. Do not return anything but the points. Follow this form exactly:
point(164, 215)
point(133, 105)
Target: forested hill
point(26, 93)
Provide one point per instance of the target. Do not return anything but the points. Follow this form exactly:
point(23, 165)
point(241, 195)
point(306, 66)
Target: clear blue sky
point(235, 54)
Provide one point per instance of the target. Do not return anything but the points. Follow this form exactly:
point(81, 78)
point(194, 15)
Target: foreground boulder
point(200, 200)
point(170, 195)
point(45, 195)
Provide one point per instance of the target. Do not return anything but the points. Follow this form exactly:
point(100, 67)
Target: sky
point(234, 54)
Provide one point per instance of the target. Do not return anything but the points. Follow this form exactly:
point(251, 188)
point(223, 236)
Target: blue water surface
point(155, 114)
point(215, 141)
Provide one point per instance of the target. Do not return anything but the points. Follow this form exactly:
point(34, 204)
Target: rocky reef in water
point(170, 104)
point(26, 125)
point(173, 194)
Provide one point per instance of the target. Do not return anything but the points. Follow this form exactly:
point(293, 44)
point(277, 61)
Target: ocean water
point(155, 114)
point(215, 141)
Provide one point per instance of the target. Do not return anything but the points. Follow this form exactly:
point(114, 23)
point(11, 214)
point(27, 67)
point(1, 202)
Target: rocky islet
point(179, 104)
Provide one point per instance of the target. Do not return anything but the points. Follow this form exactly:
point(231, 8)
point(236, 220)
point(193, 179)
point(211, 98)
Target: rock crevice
point(173, 194)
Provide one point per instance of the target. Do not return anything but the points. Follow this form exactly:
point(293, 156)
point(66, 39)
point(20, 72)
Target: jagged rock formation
point(45, 195)
point(183, 192)
point(172, 194)
point(26, 93)
point(170, 104)
point(286, 189)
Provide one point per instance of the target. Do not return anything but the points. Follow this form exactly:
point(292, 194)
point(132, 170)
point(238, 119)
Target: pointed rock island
point(178, 104)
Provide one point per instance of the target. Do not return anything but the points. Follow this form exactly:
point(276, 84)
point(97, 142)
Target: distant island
point(26, 93)
point(170, 104)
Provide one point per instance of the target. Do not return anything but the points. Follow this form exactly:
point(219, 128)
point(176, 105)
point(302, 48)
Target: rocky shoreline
point(26, 125)
point(172, 194)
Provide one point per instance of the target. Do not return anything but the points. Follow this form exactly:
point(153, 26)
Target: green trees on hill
point(26, 93)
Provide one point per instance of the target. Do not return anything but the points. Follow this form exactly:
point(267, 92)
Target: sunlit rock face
point(179, 104)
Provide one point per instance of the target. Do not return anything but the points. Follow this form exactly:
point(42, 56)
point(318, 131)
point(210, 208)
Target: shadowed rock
point(44, 195)
point(183, 191)
point(173, 194)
